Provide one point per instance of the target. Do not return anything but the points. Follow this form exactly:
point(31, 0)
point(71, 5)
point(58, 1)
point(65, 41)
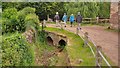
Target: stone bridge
point(52, 38)
point(56, 39)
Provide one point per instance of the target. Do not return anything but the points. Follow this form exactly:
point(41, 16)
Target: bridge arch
point(49, 41)
point(62, 44)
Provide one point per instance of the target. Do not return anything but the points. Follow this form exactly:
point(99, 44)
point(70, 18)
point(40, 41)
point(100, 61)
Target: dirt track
point(107, 40)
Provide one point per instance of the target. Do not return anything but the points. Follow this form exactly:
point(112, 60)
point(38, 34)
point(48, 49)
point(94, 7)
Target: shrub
point(22, 16)
point(15, 21)
point(28, 10)
point(31, 20)
point(9, 20)
point(16, 51)
point(9, 13)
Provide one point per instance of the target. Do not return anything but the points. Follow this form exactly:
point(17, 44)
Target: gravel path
point(107, 40)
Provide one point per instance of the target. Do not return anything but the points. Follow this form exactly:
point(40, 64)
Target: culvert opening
point(62, 44)
point(49, 41)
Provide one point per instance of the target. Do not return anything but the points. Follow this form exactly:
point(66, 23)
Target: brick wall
point(114, 15)
point(119, 14)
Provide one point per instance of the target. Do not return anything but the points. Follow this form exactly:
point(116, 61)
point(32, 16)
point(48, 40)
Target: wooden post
point(44, 23)
point(97, 20)
point(77, 30)
point(86, 39)
point(98, 56)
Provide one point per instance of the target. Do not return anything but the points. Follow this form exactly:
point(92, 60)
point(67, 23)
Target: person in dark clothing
point(57, 19)
point(79, 20)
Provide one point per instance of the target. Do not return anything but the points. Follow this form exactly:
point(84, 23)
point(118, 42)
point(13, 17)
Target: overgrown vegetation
point(13, 20)
point(16, 51)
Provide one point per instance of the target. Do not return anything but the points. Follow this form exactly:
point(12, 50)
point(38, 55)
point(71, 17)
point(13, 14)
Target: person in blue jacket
point(64, 18)
point(71, 19)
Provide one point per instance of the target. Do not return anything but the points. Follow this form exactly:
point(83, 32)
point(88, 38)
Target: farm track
point(107, 40)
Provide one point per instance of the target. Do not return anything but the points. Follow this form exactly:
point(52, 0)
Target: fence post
point(44, 23)
point(97, 20)
point(98, 57)
point(77, 30)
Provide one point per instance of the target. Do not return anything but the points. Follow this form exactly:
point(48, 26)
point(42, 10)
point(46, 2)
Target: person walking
point(79, 20)
point(71, 19)
point(56, 17)
point(64, 18)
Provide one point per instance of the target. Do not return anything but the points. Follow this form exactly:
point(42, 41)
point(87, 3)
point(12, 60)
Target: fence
point(95, 20)
point(98, 55)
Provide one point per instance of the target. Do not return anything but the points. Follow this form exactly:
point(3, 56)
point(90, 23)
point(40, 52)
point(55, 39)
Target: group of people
point(78, 19)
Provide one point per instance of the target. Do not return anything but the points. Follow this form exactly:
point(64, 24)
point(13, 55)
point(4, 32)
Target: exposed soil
point(107, 40)
point(54, 57)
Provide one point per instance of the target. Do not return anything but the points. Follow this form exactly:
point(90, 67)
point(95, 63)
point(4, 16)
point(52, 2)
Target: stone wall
point(114, 15)
point(119, 14)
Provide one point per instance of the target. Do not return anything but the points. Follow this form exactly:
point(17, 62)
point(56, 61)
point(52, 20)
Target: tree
point(104, 11)
point(43, 9)
point(87, 9)
point(14, 20)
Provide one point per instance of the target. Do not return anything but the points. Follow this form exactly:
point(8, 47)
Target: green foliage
point(9, 20)
point(32, 18)
point(16, 51)
point(22, 14)
point(42, 37)
point(15, 21)
point(9, 13)
point(28, 10)
point(42, 8)
point(104, 11)
point(89, 9)
point(86, 9)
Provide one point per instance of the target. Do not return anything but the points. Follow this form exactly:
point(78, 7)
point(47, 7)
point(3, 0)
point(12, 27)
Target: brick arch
point(62, 42)
point(57, 39)
point(49, 41)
